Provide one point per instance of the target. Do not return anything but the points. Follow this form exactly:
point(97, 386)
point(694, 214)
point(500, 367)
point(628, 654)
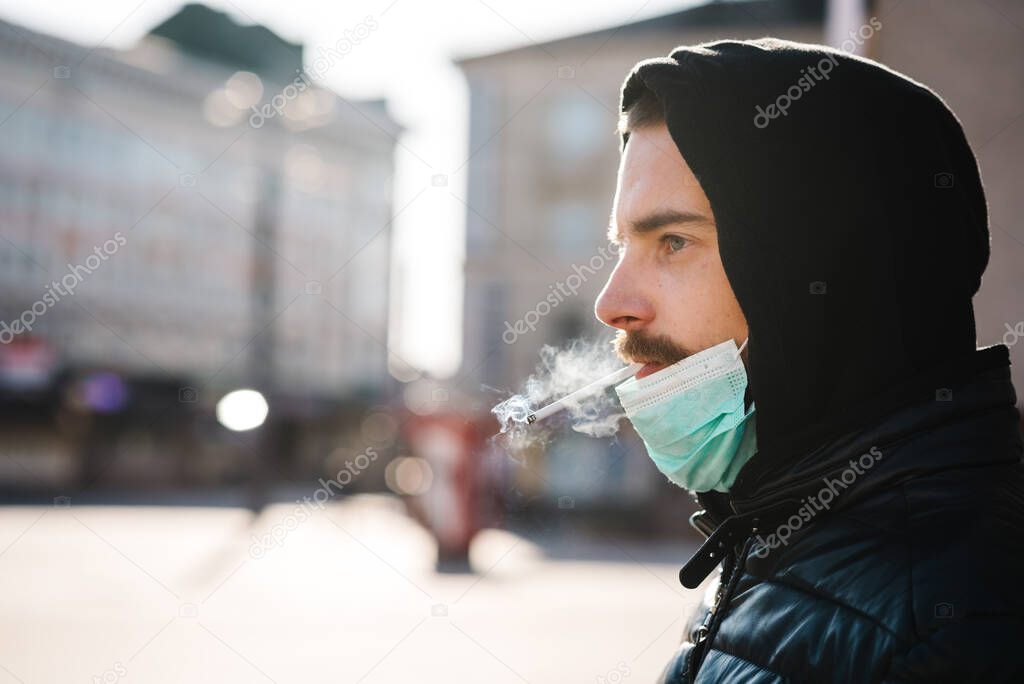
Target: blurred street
point(165, 593)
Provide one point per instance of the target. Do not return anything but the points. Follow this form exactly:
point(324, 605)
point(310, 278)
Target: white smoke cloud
point(560, 373)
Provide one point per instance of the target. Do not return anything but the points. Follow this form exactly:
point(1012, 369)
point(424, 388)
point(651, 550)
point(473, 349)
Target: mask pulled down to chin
point(691, 417)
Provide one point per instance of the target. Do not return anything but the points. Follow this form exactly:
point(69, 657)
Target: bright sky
point(408, 61)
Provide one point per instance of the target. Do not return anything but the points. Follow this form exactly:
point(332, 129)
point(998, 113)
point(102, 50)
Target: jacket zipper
point(708, 630)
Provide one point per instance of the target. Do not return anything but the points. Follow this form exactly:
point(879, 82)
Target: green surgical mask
point(691, 417)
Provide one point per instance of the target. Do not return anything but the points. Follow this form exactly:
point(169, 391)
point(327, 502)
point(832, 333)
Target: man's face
point(668, 295)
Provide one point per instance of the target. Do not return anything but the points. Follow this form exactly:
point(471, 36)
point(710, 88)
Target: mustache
point(639, 347)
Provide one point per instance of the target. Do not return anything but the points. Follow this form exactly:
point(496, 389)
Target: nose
point(622, 303)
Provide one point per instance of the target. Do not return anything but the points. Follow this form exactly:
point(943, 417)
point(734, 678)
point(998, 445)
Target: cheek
point(698, 275)
point(696, 291)
point(720, 294)
point(679, 289)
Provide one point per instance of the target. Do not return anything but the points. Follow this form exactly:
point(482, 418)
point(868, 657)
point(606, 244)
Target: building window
point(576, 128)
point(573, 226)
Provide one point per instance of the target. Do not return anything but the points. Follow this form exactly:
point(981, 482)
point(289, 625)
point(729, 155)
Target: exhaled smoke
point(562, 372)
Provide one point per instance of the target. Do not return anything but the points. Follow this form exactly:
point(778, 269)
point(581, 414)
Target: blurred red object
point(451, 507)
point(27, 364)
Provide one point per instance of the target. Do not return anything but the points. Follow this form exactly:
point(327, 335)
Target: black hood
point(852, 228)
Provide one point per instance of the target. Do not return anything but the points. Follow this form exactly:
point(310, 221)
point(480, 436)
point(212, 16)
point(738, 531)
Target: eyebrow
point(658, 219)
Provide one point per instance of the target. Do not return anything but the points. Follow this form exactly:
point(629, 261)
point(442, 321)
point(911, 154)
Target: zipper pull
point(732, 531)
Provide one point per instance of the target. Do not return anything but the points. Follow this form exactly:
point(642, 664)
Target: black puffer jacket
point(909, 571)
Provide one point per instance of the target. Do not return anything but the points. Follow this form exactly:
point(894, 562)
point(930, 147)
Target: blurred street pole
point(261, 357)
point(843, 18)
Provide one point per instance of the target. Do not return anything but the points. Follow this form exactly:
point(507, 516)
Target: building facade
point(178, 212)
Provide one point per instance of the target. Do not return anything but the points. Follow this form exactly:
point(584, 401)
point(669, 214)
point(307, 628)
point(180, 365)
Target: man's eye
point(674, 242)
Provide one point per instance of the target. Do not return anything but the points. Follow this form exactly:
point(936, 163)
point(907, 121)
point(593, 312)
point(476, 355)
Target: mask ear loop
point(740, 350)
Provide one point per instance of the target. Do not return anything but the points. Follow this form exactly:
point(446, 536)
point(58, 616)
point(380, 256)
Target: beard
point(634, 347)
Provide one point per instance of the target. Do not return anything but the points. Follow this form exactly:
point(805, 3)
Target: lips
point(650, 368)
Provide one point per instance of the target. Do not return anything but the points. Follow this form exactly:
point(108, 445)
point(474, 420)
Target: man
point(828, 213)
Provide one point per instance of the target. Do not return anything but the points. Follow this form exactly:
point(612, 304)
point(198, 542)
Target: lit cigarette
point(567, 400)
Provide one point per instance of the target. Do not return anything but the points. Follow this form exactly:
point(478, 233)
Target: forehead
point(653, 175)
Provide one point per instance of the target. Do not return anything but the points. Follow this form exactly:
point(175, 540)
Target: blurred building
point(216, 217)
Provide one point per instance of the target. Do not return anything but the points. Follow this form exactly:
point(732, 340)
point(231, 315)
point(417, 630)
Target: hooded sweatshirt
point(852, 227)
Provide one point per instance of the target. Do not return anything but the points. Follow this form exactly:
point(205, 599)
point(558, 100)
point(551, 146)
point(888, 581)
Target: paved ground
point(159, 594)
